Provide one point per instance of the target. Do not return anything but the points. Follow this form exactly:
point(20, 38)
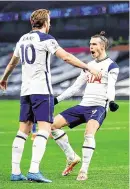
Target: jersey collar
point(101, 59)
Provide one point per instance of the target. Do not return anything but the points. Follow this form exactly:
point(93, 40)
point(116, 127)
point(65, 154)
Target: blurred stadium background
point(72, 24)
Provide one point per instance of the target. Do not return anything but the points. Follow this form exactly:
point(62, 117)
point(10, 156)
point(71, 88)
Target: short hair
point(101, 35)
point(39, 17)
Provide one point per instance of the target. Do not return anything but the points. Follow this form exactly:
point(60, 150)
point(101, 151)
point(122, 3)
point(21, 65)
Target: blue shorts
point(36, 107)
point(82, 114)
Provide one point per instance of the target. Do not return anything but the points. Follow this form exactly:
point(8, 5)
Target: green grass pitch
point(109, 165)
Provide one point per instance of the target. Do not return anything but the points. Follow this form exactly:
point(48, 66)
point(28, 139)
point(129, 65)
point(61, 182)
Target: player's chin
point(93, 55)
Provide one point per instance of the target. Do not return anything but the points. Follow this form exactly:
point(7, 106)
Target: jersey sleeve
point(113, 72)
point(80, 81)
point(16, 51)
point(52, 45)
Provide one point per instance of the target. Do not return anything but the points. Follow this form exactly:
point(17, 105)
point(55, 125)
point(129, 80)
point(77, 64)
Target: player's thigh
point(59, 121)
point(25, 127)
point(70, 117)
point(43, 108)
point(92, 126)
point(95, 119)
point(26, 113)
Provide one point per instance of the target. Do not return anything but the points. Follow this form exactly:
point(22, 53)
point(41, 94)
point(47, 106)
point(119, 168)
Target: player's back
point(34, 49)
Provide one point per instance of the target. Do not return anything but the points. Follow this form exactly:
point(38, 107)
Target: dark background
point(76, 25)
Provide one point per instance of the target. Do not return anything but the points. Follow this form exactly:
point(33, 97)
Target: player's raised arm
point(113, 72)
point(80, 81)
point(71, 59)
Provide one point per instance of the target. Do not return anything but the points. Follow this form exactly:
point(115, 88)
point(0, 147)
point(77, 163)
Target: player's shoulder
point(43, 36)
point(22, 37)
point(37, 35)
point(112, 64)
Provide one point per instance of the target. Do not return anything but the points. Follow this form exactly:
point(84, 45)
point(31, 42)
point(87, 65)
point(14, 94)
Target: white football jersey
point(97, 92)
point(34, 50)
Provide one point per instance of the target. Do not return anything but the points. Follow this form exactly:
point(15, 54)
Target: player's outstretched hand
point(3, 84)
point(113, 106)
point(55, 101)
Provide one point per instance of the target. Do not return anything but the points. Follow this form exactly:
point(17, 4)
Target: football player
point(33, 50)
point(99, 95)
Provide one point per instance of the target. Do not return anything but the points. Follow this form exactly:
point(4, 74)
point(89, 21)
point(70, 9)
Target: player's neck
point(42, 30)
point(102, 57)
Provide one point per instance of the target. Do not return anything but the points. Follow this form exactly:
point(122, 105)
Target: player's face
point(48, 24)
point(96, 47)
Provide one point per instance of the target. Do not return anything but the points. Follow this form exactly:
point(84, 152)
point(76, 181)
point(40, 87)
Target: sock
point(38, 149)
point(17, 151)
point(61, 139)
point(34, 128)
point(87, 152)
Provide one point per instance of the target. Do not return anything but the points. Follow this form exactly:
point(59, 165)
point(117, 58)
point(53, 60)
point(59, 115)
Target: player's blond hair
point(103, 38)
point(39, 17)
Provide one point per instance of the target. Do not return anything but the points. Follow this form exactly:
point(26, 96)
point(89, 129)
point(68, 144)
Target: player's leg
point(88, 148)
point(38, 150)
point(19, 141)
point(89, 144)
point(61, 138)
point(40, 104)
point(44, 129)
point(17, 150)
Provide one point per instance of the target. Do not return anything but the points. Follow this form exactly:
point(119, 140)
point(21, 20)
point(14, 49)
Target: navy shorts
point(82, 114)
point(36, 107)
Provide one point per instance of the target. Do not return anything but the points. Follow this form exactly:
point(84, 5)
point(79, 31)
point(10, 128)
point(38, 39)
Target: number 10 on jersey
point(26, 56)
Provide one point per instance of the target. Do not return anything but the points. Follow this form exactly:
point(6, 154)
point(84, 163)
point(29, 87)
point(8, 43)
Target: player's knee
point(25, 127)
point(92, 127)
point(55, 125)
point(88, 131)
point(58, 123)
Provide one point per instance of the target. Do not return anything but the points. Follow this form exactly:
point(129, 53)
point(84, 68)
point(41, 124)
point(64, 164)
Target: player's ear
point(102, 46)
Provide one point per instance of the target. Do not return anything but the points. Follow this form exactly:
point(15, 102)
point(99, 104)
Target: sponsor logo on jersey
point(93, 79)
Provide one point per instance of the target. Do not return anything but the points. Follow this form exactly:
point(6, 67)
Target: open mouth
point(92, 52)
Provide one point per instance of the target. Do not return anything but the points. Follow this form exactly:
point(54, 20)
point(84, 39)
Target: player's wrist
point(111, 101)
point(4, 79)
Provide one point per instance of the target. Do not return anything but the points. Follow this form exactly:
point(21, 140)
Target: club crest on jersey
point(53, 44)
